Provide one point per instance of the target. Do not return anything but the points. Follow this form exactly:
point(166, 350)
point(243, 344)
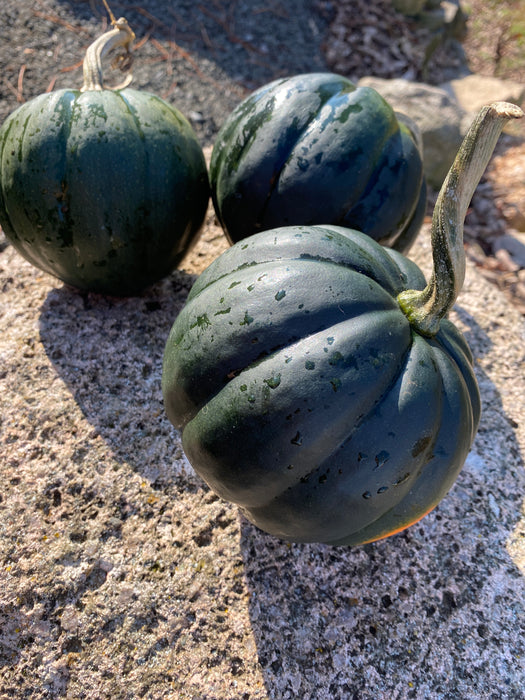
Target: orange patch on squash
point(399, 529)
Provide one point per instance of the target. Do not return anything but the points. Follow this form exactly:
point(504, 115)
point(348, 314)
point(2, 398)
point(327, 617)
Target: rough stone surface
point(473, 91)
point(437, 114)
point(123, 576)
point(514, 244)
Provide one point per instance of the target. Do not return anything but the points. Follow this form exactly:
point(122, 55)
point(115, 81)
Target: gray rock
point(473, 91)
point(514, 243)
point(437, 114)
point(445, 16)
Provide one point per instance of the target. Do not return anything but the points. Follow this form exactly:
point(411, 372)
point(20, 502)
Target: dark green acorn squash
point(104, 188)
point(314, 149)
point(316, 380)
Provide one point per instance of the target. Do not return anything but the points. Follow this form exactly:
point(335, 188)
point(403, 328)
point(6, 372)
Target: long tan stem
point(425, 309)
point(120, 36)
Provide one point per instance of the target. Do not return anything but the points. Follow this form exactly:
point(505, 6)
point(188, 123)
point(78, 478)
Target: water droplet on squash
point(297, 439)
point(280, 295)
point(336, 383)
point(421, 445)
point(367, 495)
point(273, 382)
point(247, 320)
point(335, 359)
point(381, 458)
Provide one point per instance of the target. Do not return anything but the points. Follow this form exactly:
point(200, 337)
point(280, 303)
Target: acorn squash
point(104, 188)
point(316, 379)
point(316, 149)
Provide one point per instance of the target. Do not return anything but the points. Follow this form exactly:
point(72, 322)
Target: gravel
point(201, 57)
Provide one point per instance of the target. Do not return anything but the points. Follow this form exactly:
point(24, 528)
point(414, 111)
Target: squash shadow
point(432, 612)
point(108, 351)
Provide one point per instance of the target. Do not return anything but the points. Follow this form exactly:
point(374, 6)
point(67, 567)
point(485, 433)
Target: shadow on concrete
point(109, 352)
point(431, 612)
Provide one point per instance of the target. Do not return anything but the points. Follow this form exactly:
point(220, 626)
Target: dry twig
point(20, 83)
point(55, 19)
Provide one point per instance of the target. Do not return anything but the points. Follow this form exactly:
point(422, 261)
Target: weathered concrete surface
point(121, 575)
point(124, 577)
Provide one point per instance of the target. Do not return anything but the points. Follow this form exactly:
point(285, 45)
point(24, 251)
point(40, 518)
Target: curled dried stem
point(425, 309)
point(120, 36)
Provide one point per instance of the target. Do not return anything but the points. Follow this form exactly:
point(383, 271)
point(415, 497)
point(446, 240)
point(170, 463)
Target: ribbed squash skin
point(314, 149)
point(107, 190)
point(304, 395)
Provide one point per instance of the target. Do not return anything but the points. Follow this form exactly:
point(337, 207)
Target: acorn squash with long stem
point(315, 377)
point(104, 188)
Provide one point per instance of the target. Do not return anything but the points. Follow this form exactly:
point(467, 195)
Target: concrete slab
point(124, 576)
